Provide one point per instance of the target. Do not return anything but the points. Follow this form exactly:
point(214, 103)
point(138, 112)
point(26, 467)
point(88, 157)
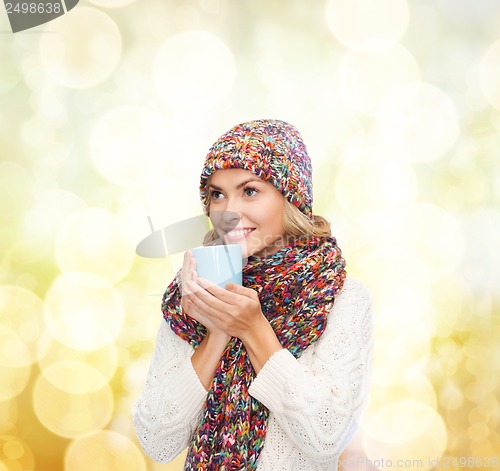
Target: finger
point(194, 274)
point(218, 292)
point(194, 287)
point(185, 272)
point(208, 303)
point(196, 314)
point(195, 290)
point(193, 309)
point(190, 264)
point(188, 272)
point(231, 294)
point(242, 290)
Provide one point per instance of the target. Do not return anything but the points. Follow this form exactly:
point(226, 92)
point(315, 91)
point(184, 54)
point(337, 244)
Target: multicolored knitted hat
point(271, 149)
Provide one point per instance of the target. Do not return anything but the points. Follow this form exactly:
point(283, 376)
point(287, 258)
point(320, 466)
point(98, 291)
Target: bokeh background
point(105, 116)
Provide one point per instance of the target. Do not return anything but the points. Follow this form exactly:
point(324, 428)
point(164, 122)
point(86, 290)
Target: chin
point(247, 251)
point(258, 251)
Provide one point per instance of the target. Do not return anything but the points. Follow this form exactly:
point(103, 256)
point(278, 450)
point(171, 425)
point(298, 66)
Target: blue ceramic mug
point(219, 264)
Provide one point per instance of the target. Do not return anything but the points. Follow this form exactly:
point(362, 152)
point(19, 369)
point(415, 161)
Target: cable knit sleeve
point(169, 408)
point(317, 400)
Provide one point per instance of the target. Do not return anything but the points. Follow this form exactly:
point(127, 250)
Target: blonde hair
point(295, 223)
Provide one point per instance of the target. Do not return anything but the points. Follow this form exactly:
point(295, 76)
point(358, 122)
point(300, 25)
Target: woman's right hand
point(188, 286)
point(208, 353)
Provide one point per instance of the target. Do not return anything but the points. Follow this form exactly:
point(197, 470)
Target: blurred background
point(106, 115)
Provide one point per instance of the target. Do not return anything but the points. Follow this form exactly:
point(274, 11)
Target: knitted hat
point(271, 149)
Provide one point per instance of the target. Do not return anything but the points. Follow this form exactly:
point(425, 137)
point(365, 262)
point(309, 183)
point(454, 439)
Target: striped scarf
point(296, 287)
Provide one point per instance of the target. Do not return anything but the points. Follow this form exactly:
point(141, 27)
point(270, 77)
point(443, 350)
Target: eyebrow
point(241, 185)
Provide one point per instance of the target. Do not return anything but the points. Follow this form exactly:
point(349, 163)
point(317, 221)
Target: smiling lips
point(237, 234)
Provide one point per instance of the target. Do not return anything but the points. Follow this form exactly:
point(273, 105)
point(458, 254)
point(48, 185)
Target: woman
point(271, 375)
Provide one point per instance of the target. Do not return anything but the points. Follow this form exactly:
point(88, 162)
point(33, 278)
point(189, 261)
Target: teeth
point(239, 232)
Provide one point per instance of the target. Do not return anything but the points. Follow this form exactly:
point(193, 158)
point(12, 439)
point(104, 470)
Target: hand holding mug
point(219, 264)
point(189, 277)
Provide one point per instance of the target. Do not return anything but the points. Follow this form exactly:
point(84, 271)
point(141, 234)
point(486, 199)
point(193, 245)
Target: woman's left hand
point(236, 310)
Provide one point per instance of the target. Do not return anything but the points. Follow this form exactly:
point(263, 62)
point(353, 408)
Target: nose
point(225, 220)
point(230, 219)
point(231, 215)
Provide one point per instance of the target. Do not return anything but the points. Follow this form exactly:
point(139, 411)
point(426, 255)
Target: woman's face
point(246, 210)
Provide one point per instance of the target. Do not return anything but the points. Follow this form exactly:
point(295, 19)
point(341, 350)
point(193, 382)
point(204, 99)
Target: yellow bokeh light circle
point(404, 434)
point(71, 415)
point(49, 210)
point(366, 25)
point(135, 375)
point(16, 184)
point(437, 236)
point(418, 388)
point(489, 74)
point(451, 396)
point(194, 69)
point(10, 75)
point(104, 451)
point(83, 49)
point(364, 79)
point(418, 121)
point(142, 305)
point(104, 360)
point(94, 240)
point(371, 181)
point(74, 377)
point(22, 311)
point(13, 351)
point(9, 415)
point(83, 315)
point(402, 269)
point(130, 145)
point(416, 300)
point(15, 363)
point(403, 352)
point(15, 454)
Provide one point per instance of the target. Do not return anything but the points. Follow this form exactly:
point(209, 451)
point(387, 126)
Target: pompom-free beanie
point(273, 150)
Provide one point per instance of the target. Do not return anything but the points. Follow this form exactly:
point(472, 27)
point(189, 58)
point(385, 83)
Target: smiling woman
point(273, 374)
point(247, 208)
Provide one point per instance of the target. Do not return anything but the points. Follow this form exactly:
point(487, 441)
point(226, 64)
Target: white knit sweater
point(315, 402)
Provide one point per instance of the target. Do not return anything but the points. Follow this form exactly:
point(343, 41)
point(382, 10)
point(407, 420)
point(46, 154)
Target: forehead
point(232, 176)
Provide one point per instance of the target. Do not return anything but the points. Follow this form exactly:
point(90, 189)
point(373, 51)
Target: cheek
point(274, 219)
point(268, 215)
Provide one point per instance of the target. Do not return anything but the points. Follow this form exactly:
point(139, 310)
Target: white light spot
point(489, 74)
point(93, 240)
point(365, 79)
point(130, 145)
point(84, 50)
point(418, 121)
point(366, 25)
point(194, 69)
point(86, 315)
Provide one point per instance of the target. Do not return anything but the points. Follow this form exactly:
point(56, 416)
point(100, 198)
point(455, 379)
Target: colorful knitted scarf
point(296, 287)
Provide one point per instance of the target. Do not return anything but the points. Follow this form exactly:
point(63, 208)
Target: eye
point(250, 191)
point(215, 195)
